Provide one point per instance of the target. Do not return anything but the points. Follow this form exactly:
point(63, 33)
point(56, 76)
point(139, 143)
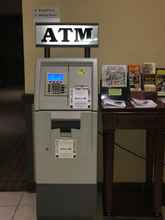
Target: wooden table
point(153, 121)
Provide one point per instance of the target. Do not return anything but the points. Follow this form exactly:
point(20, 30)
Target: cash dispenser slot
point(65, 125)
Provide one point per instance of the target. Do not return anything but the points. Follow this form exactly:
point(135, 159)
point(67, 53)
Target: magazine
point(149, 77)
point(134, 77)
point(160, 81)
point(149, 68)
point(114, 76)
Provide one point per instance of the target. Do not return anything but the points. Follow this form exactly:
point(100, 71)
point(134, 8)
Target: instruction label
point(79, 98)
point(65, 148)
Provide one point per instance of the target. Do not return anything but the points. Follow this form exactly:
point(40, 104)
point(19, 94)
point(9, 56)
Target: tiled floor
point(22, 206)
point(17, 206)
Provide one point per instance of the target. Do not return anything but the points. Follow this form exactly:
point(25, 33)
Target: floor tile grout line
point(26, 205)
point(8, 206)
point(33, 204)
point(17, 207)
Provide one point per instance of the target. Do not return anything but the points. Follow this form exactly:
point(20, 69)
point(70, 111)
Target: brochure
point(149, 77)
point(160, 81)
point(134, 77)
point(149, 68)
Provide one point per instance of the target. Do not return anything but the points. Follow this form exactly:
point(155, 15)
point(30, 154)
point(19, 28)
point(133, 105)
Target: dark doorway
point(13, 163)
point(11, 39)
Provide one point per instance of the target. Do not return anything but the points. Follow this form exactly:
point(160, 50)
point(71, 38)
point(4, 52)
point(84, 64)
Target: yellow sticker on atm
point(81, 71)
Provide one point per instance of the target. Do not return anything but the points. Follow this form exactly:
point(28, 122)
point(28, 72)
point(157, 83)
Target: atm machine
point(65, 136)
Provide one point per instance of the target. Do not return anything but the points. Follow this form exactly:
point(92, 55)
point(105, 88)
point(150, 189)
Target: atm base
point(66, 201)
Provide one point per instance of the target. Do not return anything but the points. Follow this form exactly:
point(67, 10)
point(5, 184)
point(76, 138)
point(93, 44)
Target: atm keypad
point(55, 88)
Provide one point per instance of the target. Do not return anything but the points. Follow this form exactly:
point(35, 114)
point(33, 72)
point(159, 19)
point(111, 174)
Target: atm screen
point(55, 83)
point(57, 77)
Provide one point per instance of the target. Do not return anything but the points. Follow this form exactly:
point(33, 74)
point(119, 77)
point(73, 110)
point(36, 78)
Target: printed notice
point(65, 148)
point(46, 15)
point(80, 98)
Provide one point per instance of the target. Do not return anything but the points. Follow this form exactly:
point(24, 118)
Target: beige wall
point(131, 31)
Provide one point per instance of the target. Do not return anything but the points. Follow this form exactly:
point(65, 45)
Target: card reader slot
point(65, 126)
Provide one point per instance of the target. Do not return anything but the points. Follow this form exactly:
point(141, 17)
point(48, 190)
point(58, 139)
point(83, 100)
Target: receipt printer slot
point(65, 126)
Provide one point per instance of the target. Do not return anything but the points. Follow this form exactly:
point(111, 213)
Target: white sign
point(67, 35)
point(46, 15)
point(65, 149)
point(79, 98)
